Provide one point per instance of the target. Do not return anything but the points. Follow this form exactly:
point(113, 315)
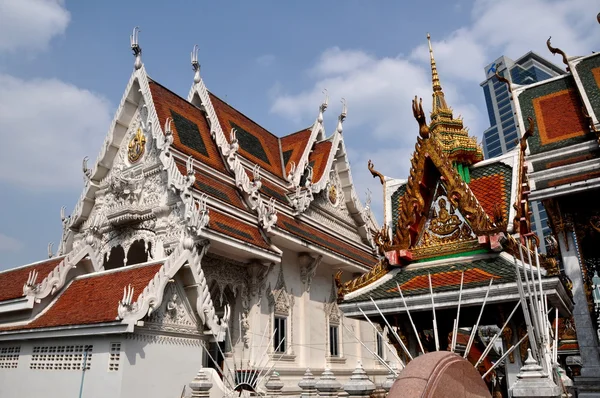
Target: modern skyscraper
point(502, 135)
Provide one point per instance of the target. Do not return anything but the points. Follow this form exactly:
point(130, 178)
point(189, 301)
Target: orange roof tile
point(215, 188)
point(489, 191)
point(256, 143)
point(12, 281)
point(92, 299)
point(293, 146)
point(232, 227)
point(308, 233)
point(202, 146)
point(451, 278)
point(318, 159)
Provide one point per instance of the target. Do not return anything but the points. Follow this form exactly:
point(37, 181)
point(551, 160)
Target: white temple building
point(199, 240)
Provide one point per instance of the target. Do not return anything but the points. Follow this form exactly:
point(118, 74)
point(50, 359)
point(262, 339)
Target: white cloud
point(380, 123)
point(31, 24)
point(8, 244)
point(47, 127)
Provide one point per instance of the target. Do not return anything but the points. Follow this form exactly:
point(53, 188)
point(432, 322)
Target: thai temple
point(208, 257)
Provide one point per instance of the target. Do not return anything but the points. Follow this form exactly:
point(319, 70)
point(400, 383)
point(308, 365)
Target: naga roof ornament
point(449, 131)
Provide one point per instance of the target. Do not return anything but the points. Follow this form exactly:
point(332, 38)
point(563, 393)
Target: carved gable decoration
point(429, 167)
point(279, 299)
point(174, 314)
point(445, 223)
point(332, 310)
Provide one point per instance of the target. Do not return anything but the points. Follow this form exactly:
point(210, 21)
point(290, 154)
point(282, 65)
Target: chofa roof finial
point(323, 106)
point(342, 116)
point(135, 47)
point(195, 64)
point(555, 50)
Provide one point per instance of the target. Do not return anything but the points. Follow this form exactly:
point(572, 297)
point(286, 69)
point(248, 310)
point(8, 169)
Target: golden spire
point(434, 75)
point(450, 132)
point(439, 102)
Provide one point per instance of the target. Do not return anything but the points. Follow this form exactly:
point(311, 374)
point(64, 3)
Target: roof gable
point(293, 147)
point(556, 110)
point(255, 143)
point(191, 132)
point(429, 166)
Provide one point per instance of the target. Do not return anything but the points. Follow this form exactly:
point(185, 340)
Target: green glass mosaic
point(188, 132)
point(250, 143)
point(584, 69)
point(526, 102)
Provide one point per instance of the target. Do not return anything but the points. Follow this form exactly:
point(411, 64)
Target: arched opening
point(115, 259)
point(137, 253)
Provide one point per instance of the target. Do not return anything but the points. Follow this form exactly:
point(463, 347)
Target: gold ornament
point(136, 146)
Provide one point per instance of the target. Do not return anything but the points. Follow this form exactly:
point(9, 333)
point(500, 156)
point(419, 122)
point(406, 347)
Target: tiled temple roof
point(256, 143)
point(91, 299)
point(237, 229)
point(13, 280)
point(191, 133)
point(444, 278)
point(315, 236)
point(491, 185)
point(293, 146)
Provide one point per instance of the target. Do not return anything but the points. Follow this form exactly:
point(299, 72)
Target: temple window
point(115, 357)
point(379, 344)
point(137, 253)
point(279, 341)
point(334, 347)
point(115, 259)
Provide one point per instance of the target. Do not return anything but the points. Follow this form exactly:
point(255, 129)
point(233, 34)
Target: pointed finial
point(342, 116)
point(135, 47)
point(434, 74)
point(50, 254)
point(323, 106)
point(195, 64)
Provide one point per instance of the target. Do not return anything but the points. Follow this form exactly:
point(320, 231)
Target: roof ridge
point(297, 132)
point(120, 269)
point(34, 263)
point(241, 113)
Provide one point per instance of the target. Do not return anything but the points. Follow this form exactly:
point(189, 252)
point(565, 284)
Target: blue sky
point(64, 66)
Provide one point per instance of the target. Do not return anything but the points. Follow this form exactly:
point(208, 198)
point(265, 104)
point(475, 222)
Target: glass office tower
point(502, 135)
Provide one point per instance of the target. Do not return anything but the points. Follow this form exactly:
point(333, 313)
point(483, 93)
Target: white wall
point(158, 369)
point(97, 383)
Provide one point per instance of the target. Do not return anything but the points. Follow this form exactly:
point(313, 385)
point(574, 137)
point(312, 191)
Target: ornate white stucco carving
point(280, 301)
point(267, 216)
point(174, 314)
point(257, 278)
point(56, 279)
point(331, 308)
point(308, 268)
point(225, 274)
point(129, 191)
point(133, 309)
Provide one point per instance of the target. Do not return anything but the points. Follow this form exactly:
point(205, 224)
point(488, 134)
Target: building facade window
point(379, 346)
point(280, 328)
point(334, 347)
point(9, 357)
point(281, 304)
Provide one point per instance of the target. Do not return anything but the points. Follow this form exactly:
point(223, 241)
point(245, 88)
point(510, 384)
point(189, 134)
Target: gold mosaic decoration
point(137, 146)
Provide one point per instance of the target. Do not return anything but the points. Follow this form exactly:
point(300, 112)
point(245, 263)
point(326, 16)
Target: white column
point(586, 333)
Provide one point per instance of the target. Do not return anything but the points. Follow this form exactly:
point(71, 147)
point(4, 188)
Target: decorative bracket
point(308, 268)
